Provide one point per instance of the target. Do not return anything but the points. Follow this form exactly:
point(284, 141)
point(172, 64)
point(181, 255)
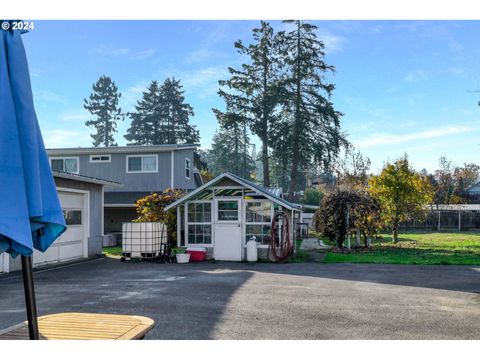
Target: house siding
point(116, 170)
point(180, 180)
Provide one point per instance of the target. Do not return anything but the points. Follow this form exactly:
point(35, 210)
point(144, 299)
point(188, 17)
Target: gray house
point(140, 169)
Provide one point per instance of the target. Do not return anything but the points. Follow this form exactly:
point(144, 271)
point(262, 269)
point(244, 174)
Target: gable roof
point(475, 188)
point(83, 178)
point(241, 181)
point(121, 149)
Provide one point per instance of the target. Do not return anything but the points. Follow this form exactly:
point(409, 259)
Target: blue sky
point(404, 86)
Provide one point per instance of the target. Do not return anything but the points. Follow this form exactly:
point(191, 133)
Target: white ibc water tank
point(252, 250)
point(143, 239)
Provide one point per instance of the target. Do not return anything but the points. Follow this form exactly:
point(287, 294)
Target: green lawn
point(434, 248)
point(112, 251)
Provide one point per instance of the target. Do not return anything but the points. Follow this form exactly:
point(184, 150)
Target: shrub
point(312, 196)
point(151, 209)
point(344, 212)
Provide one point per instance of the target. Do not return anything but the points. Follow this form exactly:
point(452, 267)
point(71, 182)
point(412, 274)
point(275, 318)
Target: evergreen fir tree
point(231, 147)
point(175, 120)
point(145, 128)
point(314, 128)
point(253, 89)
point(162, 117)
point(103, 105)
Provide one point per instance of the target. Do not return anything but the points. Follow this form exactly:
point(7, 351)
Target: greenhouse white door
point(228, 230)
point(72, 244)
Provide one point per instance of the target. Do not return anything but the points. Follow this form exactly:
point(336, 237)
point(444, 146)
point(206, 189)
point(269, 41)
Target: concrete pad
point(313, 244)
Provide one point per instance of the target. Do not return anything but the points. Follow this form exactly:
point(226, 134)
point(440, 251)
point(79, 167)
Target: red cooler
point(197, 253)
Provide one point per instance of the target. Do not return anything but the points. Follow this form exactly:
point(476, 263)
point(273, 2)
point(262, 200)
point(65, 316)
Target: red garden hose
point(282, 249)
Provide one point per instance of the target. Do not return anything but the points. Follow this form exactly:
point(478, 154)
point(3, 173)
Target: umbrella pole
point(30, 297)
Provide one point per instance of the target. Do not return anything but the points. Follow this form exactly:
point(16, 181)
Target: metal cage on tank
point(144, 239)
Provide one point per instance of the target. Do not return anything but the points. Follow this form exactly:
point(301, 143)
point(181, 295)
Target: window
point(187, 168)
point(73, 217)
point(142, 163)
point(199, 234)
point(100, 158)
point(199, 213)
point(227, 210)
point(199, 219)
point(67, 164)
point(258, 217)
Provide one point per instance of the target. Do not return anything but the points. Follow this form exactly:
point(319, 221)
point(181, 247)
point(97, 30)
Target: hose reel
point(280, 247)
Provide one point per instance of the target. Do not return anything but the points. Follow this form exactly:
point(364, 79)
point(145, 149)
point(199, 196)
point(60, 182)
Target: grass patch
point(300, 256)
point(112, 251)
point(432, 248)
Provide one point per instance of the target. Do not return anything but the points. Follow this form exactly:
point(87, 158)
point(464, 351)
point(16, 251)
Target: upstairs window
point(142, 164)
point(188, 168)
point(67, 164)
point(100, 158)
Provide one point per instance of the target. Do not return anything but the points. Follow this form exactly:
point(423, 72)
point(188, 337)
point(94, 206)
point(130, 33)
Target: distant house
point(474, 193)
point(140, 169)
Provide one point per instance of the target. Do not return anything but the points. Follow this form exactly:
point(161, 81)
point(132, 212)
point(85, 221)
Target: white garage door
point(3, 262)
point(73, 242)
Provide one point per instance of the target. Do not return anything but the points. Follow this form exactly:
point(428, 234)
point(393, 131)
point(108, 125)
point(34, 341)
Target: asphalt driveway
point(263, 301)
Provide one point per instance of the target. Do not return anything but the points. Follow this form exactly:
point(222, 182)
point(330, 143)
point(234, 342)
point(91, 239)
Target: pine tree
point(145, 128)
point(176, 114)
point(231, 147)
point(103, 105)
point(162, 117)
point(253, 89)
point(315, 137)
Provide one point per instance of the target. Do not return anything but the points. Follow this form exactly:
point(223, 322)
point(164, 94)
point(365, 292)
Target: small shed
point(223, 214)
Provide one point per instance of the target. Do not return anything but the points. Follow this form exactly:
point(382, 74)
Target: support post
point(459, 220)
point(30, 303)
point(438, 227)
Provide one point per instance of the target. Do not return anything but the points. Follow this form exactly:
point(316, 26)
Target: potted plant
point(182, 257)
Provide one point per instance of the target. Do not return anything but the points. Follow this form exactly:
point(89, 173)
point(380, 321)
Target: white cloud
point(58, 138)
point(108, 51)
point(46, 96)
point(131, 94)
point(144, 54)
point(390, 139)
point(417, 75)
point(75, 117)
point(333, 43)
point(204, 82)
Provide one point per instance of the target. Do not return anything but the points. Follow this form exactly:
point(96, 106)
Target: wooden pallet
point(82, 326)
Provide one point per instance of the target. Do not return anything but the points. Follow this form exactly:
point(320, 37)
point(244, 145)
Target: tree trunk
point(395, 233)
point(266, 167)
point(297, 121)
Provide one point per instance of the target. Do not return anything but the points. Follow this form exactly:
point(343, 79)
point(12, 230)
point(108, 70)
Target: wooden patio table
point(84, 326)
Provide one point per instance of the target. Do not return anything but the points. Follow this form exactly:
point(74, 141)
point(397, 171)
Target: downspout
point(172, 164)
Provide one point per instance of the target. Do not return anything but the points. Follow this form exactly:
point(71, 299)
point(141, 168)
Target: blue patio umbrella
point(30, 212)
